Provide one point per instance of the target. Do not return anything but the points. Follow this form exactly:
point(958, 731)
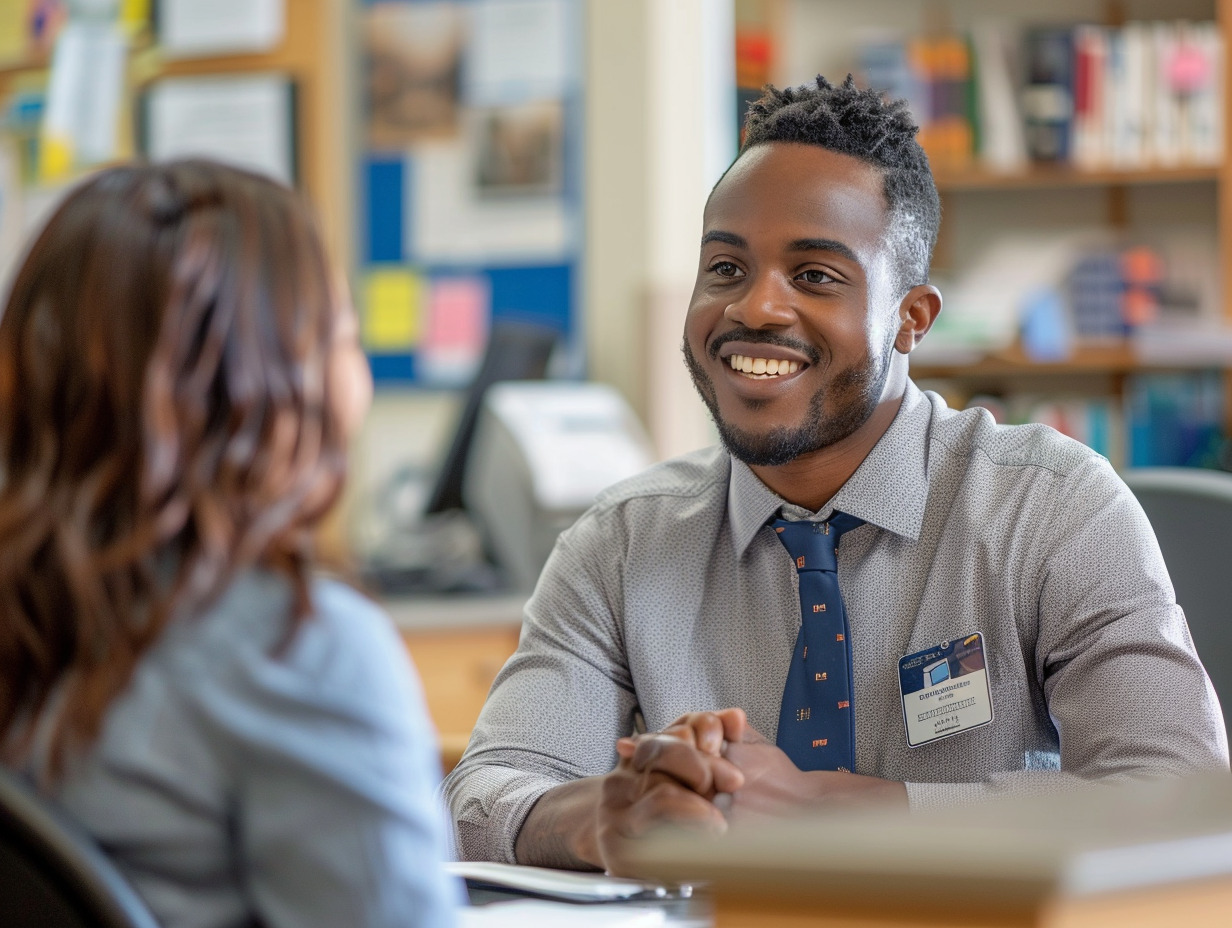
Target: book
point(1048, 92)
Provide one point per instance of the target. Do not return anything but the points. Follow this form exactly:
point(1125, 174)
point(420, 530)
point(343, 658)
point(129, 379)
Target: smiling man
point(996, 618)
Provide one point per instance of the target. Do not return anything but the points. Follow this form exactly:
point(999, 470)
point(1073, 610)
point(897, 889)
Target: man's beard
point(855, 393)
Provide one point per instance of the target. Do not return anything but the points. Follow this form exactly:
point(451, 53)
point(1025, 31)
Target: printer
point(542, 452)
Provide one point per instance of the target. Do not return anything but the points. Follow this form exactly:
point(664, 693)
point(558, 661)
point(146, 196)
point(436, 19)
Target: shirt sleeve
point(560, 703)
point(1124, 687)
point(335, 766)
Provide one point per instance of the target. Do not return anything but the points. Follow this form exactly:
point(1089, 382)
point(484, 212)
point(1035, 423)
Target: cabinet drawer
point(457, 668)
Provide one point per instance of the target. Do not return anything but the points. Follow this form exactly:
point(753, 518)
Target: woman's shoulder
point(344, 652)
point(257, 607)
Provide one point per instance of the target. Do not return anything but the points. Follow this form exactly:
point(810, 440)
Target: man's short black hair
point(861, 123)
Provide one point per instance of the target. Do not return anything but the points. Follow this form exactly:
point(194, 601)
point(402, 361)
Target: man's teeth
point(762, 367)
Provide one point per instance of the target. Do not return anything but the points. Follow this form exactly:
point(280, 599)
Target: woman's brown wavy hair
point(165, 422)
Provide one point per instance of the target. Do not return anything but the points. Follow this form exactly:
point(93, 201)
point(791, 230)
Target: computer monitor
point(515, 351)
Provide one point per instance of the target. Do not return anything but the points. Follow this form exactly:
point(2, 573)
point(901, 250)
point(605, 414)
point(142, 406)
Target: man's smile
point(762, 368)
point(762, 360)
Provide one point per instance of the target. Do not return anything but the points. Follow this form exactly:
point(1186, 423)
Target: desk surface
point(1131, 855)
point(442, 613)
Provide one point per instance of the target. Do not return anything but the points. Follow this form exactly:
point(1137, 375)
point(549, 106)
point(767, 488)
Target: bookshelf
point(1050, 176)
point(983, 205)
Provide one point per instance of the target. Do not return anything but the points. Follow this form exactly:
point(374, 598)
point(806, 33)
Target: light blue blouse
point(237, 784)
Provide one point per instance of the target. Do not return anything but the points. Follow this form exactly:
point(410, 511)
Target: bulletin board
point(469, 198)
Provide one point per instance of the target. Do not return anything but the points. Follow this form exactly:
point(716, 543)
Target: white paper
point(87, 81)
point(241, 120)
point(188, 28)
point(564, 884)
point(519, 51)
point(450, 222)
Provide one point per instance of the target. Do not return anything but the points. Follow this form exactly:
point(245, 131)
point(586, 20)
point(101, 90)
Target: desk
point(458, 644)
point(1135, 856)
point(1206, 904)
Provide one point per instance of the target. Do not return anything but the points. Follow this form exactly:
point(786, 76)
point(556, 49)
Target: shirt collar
point(888, 489)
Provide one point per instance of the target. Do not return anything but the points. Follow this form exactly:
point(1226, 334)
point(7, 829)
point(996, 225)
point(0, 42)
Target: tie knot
point(812, 544)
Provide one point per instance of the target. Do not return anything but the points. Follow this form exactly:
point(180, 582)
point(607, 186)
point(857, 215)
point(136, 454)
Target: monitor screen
point(515, 351)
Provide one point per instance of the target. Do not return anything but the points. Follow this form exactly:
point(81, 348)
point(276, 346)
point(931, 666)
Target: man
point(1005, 621)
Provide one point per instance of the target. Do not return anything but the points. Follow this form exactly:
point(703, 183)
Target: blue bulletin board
point(470, 200)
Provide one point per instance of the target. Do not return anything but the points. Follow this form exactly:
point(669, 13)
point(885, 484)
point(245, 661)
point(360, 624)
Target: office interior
point(484, 165)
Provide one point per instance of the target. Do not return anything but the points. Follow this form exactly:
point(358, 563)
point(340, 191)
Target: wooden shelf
point(1063, 175)
point(1117, 358)
point(33, 62)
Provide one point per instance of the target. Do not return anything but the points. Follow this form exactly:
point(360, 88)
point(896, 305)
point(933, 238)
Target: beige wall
point(660, 128)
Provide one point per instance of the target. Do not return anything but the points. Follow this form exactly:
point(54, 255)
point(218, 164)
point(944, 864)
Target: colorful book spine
point(1132, 97)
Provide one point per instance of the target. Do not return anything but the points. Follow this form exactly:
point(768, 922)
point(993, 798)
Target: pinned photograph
point(519, 150)
point(412, 72)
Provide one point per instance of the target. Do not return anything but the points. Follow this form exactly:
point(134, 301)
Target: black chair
point(1191, 512)
point(52, 876)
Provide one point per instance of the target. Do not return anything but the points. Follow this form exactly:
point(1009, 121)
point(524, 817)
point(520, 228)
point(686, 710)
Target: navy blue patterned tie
point(817, 728)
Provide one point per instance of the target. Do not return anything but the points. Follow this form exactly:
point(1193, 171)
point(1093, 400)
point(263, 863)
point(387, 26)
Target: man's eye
point(816, 277)
point(725, 269)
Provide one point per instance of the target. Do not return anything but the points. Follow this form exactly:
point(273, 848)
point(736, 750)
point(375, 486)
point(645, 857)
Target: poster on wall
point(243, 119)
point(450, 221)
point(518, 51)
point(195, 28)
point(412, 64)
point(519, 150)
point(469, 181)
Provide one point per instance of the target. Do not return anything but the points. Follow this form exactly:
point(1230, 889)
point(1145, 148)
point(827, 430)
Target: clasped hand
point(708, 769)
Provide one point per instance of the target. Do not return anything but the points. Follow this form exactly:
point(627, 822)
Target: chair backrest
point(1191, 512)
point(52, 876)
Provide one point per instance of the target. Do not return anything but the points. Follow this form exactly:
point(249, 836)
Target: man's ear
point(916, 314)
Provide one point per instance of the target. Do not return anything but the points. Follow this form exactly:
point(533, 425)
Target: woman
point(178, 379)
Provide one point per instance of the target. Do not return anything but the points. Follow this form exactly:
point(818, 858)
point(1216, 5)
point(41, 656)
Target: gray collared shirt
point(672, 594)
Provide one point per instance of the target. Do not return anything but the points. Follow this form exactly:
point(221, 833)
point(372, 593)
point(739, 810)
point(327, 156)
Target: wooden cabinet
point(457, 667)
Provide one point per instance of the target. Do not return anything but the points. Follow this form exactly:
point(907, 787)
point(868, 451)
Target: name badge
point(945, 690)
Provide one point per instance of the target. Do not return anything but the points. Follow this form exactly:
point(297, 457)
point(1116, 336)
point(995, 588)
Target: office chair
point(52, 876)
point(1191, 512)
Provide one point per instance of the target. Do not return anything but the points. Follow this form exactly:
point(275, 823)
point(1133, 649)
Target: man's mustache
point(760, 337)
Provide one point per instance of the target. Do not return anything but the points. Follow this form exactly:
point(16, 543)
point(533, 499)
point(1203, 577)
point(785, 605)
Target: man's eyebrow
point(726, 238)
point(800, 244)
point(825, 244)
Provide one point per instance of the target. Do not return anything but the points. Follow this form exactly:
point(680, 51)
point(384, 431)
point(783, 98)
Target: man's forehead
point(798, 183)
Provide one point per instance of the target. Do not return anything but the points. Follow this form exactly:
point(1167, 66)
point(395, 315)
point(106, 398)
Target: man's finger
point(735, 723)
point(666, 802)
point(702, 773)
point(708, 730)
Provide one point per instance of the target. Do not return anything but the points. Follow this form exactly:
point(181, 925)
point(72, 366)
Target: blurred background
point(514, 189)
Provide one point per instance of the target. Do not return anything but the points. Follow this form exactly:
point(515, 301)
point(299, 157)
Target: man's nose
point(767, 301)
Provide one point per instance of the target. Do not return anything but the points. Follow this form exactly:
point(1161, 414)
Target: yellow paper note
point(393, 299)
point(135, 16)
point(55, 159)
